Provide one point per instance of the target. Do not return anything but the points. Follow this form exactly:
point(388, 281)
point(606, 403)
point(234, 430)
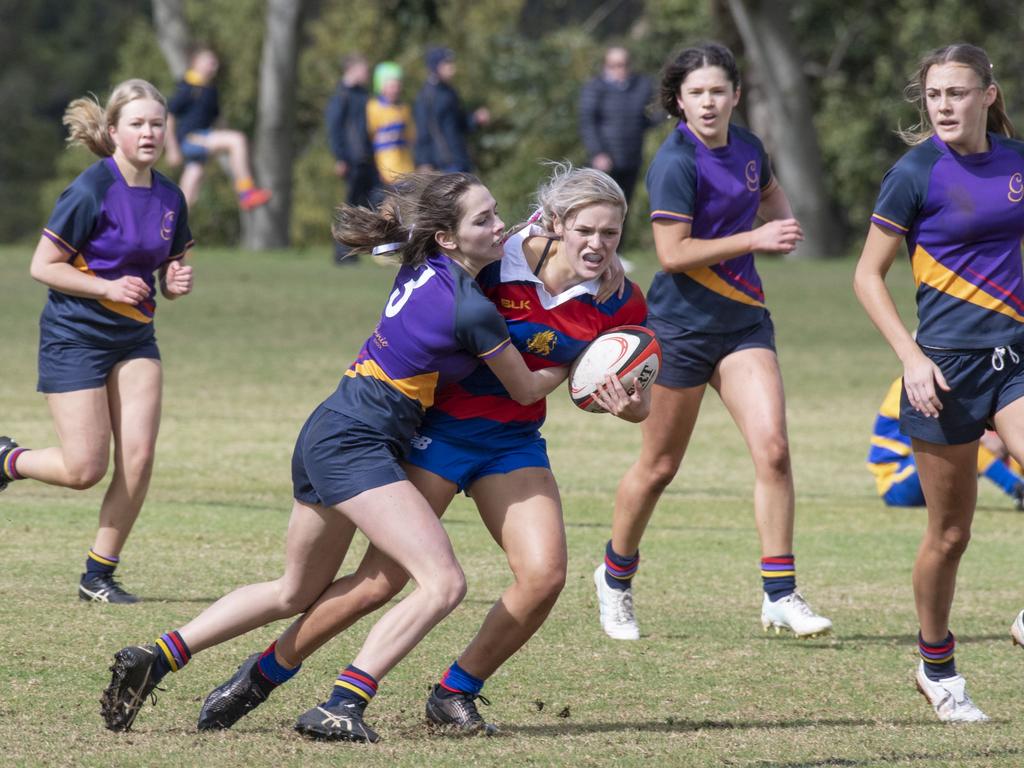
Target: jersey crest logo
point(542, 343)
point(1016, 193)
point(750, 173)
point(167, 225)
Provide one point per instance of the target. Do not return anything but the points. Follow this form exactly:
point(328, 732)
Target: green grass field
point(264, 339)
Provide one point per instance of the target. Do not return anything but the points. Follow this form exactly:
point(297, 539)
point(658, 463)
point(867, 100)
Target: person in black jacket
point(613, 118)
point(349, 139)
point(441, 122)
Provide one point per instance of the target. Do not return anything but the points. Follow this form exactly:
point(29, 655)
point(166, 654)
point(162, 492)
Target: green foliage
point(53, 52)
point(513, 58)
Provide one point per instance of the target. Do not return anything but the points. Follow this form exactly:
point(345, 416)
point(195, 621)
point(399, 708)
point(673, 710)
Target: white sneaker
point(1017, 630)
point(793, 613)
point(949, 698)
point(617, 617)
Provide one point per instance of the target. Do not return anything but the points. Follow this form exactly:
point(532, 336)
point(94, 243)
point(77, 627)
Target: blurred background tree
point(524, 59)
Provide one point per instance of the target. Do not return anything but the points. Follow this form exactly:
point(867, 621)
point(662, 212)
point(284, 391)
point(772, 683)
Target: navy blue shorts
point(981, 383)
point(688, 358)
point(68, 365)
point(337, 457)
point(464, 464)
point(192, 152)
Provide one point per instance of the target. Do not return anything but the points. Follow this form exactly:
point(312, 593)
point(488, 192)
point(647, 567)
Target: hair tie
point(386, 248)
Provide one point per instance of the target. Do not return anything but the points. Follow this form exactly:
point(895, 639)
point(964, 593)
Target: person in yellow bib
point(891, 460)
point(390, 124)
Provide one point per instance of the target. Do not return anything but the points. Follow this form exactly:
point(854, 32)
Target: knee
point(139, 462)
point(771, 458)
point(952, 542)
point(447, 590)
point(84, 474)
point(294, 598)
point(376, 593)
point(542, 583)
point(660, 472)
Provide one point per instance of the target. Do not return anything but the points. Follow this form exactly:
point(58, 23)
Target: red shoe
point(254, 198)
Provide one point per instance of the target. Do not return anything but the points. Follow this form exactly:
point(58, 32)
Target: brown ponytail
point(420, 206)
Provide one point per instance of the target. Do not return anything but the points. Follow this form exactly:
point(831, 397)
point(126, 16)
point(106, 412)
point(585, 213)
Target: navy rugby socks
point(100, 565)
point(778, 575)
point(938, 659)
point(619, 570)
point(173, 654)
point(353, 685)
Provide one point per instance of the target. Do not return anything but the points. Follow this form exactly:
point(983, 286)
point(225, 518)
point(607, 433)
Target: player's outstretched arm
point(525, 386)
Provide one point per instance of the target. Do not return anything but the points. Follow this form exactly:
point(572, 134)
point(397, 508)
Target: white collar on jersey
point(514, 268)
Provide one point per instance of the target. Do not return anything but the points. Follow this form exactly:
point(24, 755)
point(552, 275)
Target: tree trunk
point(172, 34)
point(273, 154)
point(780, 113)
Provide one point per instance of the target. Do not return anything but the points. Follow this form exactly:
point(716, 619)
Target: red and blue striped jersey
point(547, 330)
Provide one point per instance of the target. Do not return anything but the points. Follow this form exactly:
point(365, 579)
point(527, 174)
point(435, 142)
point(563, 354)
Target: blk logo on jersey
point(1016, 193)
point(522, 304)
point(542, 343)
point(167, 225)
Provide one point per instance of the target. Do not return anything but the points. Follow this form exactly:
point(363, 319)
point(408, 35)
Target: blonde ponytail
point(88, 123)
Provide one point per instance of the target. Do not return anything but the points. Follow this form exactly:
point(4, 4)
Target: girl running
point(115, 226)
point(708, 183)
point(435, 328)
point(477, 438)
point(955, 198)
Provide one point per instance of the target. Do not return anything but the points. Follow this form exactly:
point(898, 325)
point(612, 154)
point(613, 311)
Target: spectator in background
point(349, 139)
point(191, 137)
point(613, 119)
point(390, 125)
point(441, 123)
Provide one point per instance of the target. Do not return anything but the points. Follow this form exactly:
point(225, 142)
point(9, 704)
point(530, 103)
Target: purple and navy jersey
point(547, 330)
point(717, 192)
point(109, 229)
point(963, 220)
point(436, 328)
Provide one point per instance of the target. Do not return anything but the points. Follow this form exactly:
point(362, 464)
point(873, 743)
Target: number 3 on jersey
point(396, 302)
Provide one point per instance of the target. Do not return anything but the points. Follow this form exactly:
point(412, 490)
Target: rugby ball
point(630, 352)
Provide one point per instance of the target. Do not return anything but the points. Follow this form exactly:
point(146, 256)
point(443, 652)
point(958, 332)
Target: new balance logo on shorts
point(419, 442)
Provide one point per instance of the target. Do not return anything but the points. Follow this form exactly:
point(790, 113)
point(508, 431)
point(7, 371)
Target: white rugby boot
point(618, 620)
point(1017, 630)
point(793, 613)
point(949, 698)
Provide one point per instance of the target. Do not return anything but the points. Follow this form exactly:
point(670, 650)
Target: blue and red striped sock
point(174, 654)
point(353, 684)
point(274, 671)
point(100, 565)
point(938, 658)
point(778, 574)
point(619, 570)
point(457, 680)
